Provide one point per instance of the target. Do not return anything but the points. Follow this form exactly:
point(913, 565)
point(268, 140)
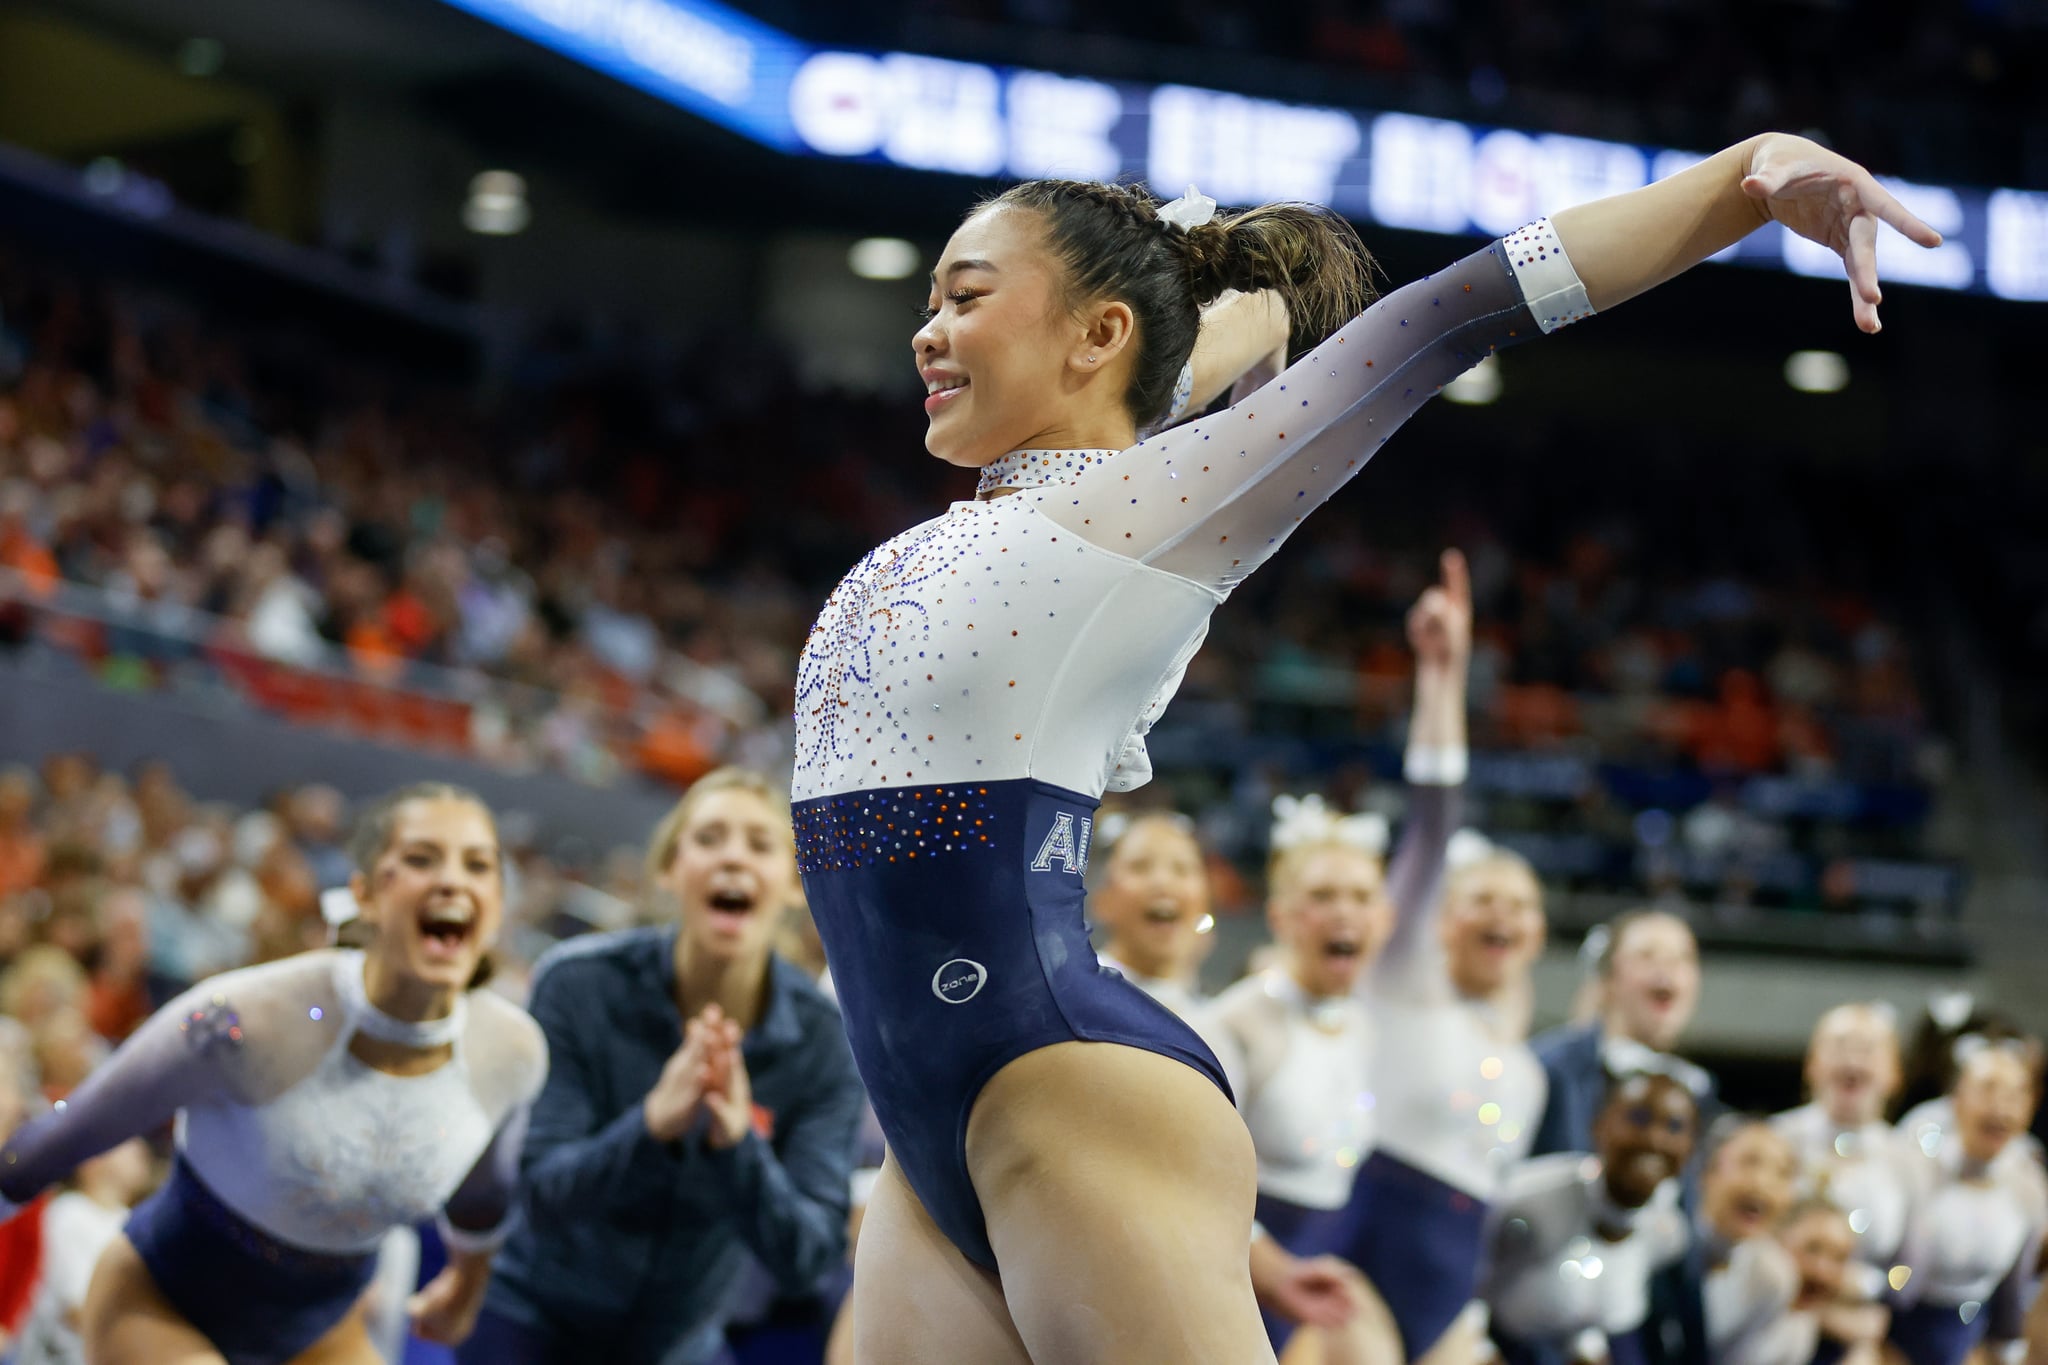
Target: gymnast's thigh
point(1118, 1186)
point(916, 1299)
point(127, 1321)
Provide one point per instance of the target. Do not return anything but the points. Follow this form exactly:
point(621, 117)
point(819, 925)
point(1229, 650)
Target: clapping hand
point(728, 1092)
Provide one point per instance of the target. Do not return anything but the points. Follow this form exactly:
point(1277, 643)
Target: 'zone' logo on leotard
point(959, 981)
point(1063, 846)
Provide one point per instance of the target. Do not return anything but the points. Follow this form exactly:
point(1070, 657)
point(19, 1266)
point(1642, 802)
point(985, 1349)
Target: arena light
point(1478, 386)
point(497, 204)
point(1817, 371)
point(883, 258)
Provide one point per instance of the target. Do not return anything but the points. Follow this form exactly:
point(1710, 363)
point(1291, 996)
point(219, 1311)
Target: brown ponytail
point(1114, 245)
point(1311, 257)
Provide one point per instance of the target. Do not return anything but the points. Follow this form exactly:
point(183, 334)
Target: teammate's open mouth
point(731, 906)
point(1343, 949)
point(446, 928)
point(1163, 912)
point(1500, 940)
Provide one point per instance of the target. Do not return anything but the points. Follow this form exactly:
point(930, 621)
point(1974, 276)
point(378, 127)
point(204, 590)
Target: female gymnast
point(1645, 987)
point(1848, 1154)
point(1574, 1243)
point(975, 685)
point(1303, 1033)
point(1975, 1238)
point(1747, 1280)
point(702, 1108)
point(321, 1100)
point(1830, 1319)
point(1150, 907)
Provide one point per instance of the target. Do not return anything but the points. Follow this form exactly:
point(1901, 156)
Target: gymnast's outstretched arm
point(1211, 500)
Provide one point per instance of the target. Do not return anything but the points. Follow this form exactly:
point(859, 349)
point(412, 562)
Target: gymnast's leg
point(1118, 1187)
point(916, 1300)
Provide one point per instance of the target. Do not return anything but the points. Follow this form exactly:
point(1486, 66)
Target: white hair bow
point(338, 906)
point(1191, 210)
point(1300, 821)
point(1465, 848)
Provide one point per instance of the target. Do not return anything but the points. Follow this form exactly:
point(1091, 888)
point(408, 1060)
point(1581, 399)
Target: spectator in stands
point(79, 1224)
point(1645, 985)
point(702, 1105)
point(21, 845)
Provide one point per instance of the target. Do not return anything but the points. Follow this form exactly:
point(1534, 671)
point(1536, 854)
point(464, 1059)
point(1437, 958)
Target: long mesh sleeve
point(181, 1055)
point(1211, 500)
point(1411, 963)
point(477, 1216)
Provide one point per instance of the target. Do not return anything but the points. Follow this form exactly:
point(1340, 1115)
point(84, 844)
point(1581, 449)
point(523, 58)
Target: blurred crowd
point(1944, 93)
point(118, 890)
point(606, 570)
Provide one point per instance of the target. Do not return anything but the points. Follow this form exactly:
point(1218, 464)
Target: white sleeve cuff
point(862, 1185)
point(470, 1243)
point(1550, 286)
point(1427, 766)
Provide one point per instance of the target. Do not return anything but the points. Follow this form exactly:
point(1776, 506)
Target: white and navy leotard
point(1304, 1081)
point(1972, 1245)
point(974, 686)
point(1865, 1170)
point(294, 1157)
point(1458, 1095)
point(1554, 1275)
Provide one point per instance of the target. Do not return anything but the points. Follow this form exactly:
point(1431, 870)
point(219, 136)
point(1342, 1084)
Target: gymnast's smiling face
point(1009, 361)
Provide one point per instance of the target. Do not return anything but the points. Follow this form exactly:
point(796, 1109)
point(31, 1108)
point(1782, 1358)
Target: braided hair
point(1114, 245)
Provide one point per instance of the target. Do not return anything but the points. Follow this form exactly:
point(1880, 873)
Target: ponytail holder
point(1192, 210)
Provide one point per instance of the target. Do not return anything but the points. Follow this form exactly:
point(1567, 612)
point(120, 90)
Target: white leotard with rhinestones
point(1553, 1274)
point(282, 1122)
point(1040, 634)
point(1302, 1067)
point(1865, 1170)
point(1973, 1229)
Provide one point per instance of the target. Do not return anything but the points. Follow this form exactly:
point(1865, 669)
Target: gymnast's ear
point(1108, 326)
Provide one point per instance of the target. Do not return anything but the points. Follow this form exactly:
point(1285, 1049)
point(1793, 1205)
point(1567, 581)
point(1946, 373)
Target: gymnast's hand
point(1830, 199)
point(1440, 623)
point(671, 1106)
point(729, 1094)
point(445, 1311)
point(1316, 1292)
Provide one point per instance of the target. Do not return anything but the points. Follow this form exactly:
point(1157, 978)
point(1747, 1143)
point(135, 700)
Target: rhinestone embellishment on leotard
point(902, 825)
point(1037, 468)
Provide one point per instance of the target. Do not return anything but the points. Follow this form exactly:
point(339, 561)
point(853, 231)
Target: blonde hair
point(661, 845)
point(1493, 860)
point(1285, 867)
point(1879, 1012)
